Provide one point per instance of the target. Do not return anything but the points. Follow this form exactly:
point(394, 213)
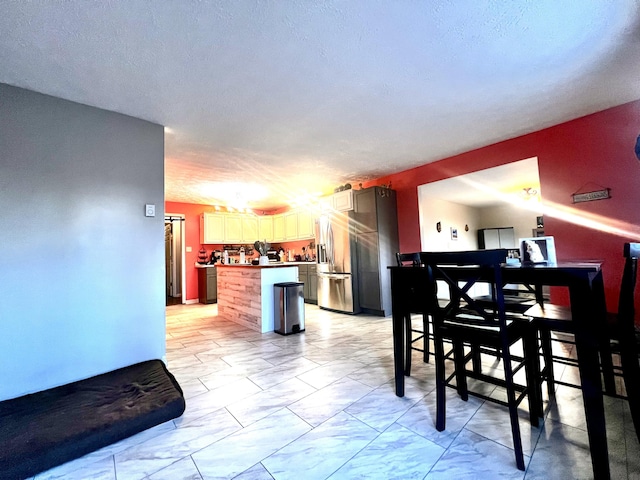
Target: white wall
point(81, 267)
point(522, 220)
point(450, 215)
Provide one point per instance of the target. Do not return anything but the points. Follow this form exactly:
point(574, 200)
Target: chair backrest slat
point(626, 306)
point(408, 259)
point(461, 271)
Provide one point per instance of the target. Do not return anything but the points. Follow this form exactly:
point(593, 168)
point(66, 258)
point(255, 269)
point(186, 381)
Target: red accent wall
point(584, 154)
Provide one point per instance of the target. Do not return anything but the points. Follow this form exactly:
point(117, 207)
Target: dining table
point(588, 312)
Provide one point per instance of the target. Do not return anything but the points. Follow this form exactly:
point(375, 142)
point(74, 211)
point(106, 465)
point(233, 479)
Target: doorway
point(174, 258)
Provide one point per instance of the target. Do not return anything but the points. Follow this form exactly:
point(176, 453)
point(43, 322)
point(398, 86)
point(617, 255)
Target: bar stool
point(621, 333)
point(413, 260)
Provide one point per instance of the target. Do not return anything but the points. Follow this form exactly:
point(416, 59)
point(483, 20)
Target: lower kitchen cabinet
point(307, 275)
point(207, 285)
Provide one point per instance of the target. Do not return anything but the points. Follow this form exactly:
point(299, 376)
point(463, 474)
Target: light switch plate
point(150, 210)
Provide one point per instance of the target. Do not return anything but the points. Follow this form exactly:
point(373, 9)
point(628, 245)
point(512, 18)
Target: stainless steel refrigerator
point(336, 263)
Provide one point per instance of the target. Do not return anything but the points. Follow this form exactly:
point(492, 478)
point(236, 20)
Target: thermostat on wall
point(150, 210)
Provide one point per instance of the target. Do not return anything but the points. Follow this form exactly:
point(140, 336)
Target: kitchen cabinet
point(250, 229)
point(343, 201)
point(307, 275)
point(496, 238)
point(238, 228)
point(212, 228)
point(233, 228)
point(376, 230)
point(306, 227)
point(291, 226)
point(278, 228)
point(207, 285)
point(265, 228)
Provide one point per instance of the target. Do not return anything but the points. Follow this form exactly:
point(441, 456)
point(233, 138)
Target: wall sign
point(591, 196)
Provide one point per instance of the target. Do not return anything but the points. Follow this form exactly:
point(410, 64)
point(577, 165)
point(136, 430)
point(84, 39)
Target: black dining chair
point(467, 323)
point(622, 333)
point(424, 335)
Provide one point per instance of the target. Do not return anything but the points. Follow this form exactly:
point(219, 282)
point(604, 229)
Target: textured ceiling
point(280, 99)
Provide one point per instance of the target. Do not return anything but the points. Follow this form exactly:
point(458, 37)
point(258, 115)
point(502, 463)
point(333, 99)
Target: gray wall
point(81, 267)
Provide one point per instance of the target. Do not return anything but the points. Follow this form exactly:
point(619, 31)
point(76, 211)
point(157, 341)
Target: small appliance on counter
point(273, 256)
point(215, 257)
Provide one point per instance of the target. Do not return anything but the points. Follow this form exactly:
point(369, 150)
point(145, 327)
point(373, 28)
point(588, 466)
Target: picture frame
point(537, 250)
point(454, 233)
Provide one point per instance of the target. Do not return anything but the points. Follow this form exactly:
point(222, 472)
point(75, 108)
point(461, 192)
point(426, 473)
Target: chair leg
point(631, 375)
point(476, 361)
point(513, 408)
point(441, 399)
point(547, 355)
point(407, 342)
point(534, 379)
point(460, 365)
point(425, 338)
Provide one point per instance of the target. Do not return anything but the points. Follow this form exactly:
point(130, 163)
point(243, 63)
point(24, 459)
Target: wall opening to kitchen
point(174, 258)
point(451, 211)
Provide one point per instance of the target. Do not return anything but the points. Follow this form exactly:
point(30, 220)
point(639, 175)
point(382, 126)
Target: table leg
point(589, 366)
point(398, 323)
point(398, 351)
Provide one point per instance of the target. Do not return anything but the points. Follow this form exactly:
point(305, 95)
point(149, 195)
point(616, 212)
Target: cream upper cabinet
point(291, 226)
point(233, 228)
point(278, 228)
point(266, 228)
point(305, 225)
point(343, 201)
point(212, 228)
point(250, 229)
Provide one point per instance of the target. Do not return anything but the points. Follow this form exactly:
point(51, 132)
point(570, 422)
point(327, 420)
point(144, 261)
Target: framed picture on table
point(537, 250)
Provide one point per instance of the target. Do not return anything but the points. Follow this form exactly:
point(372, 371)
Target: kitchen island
point(245, 292)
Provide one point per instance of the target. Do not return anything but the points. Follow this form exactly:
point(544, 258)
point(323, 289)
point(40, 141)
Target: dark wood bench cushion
point(48, 428)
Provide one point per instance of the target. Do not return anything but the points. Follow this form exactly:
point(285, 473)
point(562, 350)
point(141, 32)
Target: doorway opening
point(174, 258)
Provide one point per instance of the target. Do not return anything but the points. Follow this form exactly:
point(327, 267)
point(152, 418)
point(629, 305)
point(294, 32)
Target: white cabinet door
point(233, 228)
point(250, 230)
point(305, 225)
point(291, 226)
point(278, 228)
point(343, 201)
point(212, 228)
point(266, 228)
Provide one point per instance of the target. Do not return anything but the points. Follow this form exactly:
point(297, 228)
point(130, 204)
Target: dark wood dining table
point(586, 295)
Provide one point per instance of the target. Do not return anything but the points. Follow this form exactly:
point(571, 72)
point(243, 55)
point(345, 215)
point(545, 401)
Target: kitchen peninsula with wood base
point(245, 293)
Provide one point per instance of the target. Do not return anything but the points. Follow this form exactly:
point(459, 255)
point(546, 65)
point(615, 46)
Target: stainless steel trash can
point(288, 307)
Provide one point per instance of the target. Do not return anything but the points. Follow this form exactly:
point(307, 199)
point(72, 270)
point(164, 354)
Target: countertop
point(282, 264)
point(271, 265)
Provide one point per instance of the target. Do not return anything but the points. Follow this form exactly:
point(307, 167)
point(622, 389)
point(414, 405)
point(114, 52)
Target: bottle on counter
point(225, 258)
point(242, 260)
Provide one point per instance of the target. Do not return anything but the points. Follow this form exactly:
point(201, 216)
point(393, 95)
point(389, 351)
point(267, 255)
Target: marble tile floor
point(321, 405)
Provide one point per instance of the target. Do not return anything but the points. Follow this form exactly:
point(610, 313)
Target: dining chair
point(622, 334)
point(413, 260)
point(466, 323)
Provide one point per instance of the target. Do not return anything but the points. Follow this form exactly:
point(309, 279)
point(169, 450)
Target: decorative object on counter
point(262, 248)
point(202, 256)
